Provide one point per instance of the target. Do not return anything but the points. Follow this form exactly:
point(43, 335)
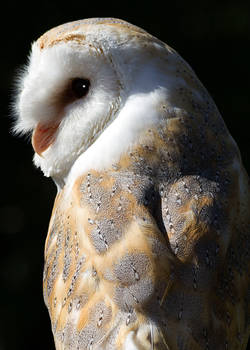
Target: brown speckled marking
point(73, 31)
point(169, 266)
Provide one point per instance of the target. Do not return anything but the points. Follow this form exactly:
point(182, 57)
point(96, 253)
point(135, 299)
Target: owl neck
point(139, 114)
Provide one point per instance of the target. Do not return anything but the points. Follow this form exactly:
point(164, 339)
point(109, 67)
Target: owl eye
point(80, 87)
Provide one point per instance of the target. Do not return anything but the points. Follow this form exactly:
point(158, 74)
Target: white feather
point(139, 112)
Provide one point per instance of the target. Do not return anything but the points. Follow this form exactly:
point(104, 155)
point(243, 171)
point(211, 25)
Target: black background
point(213, 36)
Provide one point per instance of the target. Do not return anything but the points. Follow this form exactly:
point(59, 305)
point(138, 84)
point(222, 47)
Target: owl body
point(148, 243)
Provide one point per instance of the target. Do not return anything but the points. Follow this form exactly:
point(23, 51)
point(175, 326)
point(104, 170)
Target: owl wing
point(105, 262)
point(127, 263)
point(154, 251)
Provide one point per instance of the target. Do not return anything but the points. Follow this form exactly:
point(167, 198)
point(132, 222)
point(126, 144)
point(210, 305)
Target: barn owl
point(148, 242)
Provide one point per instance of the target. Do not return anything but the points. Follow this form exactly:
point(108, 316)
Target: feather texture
point(148, 243)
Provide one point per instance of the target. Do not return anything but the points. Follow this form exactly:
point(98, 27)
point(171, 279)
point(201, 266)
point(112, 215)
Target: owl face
point(68, 94)
point(88, 90)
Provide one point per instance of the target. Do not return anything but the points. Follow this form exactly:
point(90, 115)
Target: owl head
point(89, 89)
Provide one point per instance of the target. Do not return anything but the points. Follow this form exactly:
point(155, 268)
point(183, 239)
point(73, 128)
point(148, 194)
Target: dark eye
point(80, 87)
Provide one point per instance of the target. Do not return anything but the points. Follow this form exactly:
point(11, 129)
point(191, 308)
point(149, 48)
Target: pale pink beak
point(43, 136)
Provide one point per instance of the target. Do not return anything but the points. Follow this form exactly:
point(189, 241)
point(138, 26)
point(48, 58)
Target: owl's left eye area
point(44, 134)
point(80, 87)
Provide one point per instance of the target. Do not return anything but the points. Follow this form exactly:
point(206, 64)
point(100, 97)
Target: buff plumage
point(148, 243)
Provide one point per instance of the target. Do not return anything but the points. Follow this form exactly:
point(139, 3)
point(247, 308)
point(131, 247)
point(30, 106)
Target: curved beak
point(43, 136)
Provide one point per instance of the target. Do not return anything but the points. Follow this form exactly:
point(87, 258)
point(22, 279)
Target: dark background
point(213, 36)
